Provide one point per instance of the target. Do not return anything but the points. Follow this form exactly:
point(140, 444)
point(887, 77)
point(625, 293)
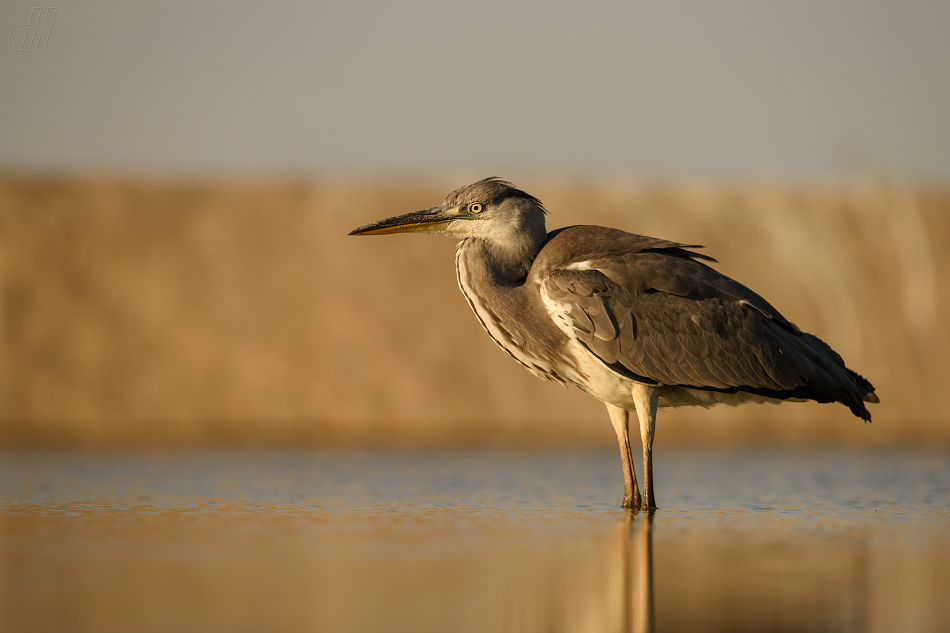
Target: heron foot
point(636, 508)
point(634, 502)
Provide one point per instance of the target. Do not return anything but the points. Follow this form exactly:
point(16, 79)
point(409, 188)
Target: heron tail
point(865, 394)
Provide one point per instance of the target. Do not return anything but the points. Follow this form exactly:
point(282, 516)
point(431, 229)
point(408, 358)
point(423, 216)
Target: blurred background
point(220, 412)
point(177, 181)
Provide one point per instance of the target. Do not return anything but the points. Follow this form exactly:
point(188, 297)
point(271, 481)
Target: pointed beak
point(431, 220)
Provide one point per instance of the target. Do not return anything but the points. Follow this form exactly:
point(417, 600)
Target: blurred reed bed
point(138, 311)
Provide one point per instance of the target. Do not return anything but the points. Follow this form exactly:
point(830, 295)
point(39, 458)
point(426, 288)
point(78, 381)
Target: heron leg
point(631, 492)
point(646, 398)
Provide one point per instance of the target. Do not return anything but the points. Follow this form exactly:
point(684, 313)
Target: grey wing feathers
point(638, 264)
point(668, 339)
point(657, 315)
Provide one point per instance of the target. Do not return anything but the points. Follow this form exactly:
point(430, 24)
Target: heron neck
point(507, 264)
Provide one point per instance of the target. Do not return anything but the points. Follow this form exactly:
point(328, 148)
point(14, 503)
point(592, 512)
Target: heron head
point(492, 209)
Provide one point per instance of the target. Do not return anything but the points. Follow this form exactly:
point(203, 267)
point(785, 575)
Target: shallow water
point(226, 540)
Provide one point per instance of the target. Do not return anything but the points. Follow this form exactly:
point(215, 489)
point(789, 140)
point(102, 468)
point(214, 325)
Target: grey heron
point(634, 321)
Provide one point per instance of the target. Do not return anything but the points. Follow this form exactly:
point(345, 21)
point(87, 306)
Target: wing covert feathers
point(655, 314)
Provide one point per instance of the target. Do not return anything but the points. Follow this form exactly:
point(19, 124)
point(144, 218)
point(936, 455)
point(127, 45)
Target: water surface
point(486, 540)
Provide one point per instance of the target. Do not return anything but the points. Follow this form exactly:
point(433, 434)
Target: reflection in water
point(635, 554)
point(643, 619)
point(470, 541)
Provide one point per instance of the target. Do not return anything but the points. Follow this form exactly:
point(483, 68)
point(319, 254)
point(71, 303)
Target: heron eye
point(476, 207)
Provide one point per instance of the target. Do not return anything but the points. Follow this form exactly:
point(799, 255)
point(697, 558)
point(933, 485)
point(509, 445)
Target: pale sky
point(798, 89)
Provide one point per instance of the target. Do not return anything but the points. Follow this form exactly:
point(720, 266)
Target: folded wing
point(651, 311)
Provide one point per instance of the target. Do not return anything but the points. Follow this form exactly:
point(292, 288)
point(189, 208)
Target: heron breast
point(505, 332)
